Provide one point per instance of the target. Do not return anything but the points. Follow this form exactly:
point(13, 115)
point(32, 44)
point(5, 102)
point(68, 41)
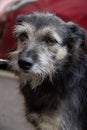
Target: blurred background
point(11, 101)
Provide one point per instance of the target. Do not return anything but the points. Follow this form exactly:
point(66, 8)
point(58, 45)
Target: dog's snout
point(25, 63)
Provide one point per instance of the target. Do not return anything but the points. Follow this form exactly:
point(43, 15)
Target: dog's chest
point(45, 97)
point(41, 99)
point(47, 110)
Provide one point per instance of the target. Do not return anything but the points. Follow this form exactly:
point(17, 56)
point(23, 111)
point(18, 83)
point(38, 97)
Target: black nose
point(25, 63)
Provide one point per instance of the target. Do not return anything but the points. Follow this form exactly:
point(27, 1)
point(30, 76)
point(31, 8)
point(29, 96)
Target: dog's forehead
point(40, 23)
point(40, 19)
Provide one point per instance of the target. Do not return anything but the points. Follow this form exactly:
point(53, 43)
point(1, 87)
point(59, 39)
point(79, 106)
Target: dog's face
point(44, 43)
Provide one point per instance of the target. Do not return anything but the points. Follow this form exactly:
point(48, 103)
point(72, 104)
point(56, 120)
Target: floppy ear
point(78, 33)
point(20, 19)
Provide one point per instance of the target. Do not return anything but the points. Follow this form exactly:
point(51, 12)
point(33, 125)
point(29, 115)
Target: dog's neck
point(40, 97)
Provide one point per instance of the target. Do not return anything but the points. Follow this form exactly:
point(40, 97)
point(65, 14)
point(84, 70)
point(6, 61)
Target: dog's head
point(44, 44)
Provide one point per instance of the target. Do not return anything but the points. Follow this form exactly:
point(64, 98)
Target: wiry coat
point(59, 102)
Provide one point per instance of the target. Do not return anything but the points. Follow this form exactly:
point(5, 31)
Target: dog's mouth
point(25, 71)
point(27, 66)
point(30, 70)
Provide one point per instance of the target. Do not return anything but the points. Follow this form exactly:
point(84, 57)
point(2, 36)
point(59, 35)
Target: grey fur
point(54, 86)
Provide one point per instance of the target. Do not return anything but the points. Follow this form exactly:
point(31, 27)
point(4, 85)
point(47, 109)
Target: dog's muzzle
point(25, 63)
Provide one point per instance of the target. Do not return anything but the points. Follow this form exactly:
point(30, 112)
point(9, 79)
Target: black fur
point(67, 92)
point(48, 96)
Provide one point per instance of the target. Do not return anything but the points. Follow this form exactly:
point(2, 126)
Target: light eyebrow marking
point(51, 31)
point(57, 37)
point(24, 27)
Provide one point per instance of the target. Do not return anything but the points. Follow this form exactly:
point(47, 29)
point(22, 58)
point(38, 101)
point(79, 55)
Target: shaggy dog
point(51, 62)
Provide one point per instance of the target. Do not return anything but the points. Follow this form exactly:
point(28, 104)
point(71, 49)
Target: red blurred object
point(68, 10)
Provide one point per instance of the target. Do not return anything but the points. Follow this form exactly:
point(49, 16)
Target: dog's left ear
point(21, 18)
point(78, 33)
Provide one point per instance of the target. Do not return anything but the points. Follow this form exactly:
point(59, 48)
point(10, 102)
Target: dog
point(50, 60)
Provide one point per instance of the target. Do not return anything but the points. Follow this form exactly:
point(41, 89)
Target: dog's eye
point(23, 36)
point(50, 41)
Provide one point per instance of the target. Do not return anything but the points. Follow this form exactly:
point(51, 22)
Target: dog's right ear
point(20, 19)
point(78, 33)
